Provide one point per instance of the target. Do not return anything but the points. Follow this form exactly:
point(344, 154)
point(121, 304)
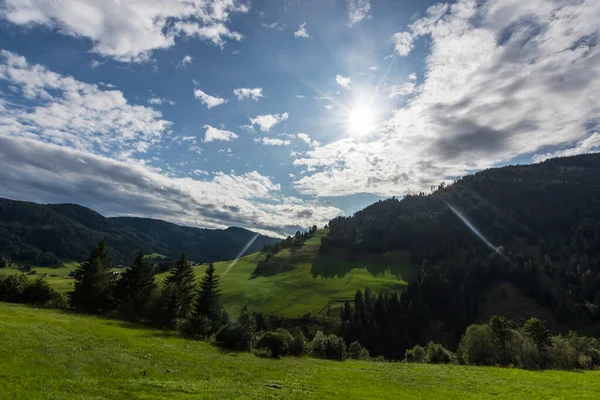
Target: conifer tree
point(179, 298)
point(207, 302)
point(135, 290)
point(94, 284)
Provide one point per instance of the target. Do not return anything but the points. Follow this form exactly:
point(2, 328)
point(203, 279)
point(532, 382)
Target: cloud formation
point(213, 134)
point(62, 110)
point(403, 43)
point(343, 81)
point(248, 93)
point(44, 172)
point(272, 141)
point(503, 79)
point(302, 32)
point(129, 30)
point(358, 10)
point(268, 121)
point(208, 100)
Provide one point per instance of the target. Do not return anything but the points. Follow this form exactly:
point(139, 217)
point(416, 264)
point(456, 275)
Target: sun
point(361, 120)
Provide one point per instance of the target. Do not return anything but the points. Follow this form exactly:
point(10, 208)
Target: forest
point(44, 235)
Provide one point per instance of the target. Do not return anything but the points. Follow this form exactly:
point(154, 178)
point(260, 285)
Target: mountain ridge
point(44, 234)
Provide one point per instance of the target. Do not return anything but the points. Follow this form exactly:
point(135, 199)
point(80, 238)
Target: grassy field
point(296, 283)
point(60, 282)
point(305, 281)
point(47, 354)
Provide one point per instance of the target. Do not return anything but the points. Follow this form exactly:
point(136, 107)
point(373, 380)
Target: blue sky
point(275, 115)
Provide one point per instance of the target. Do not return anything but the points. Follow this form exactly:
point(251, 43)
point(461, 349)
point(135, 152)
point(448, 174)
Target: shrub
point(478, 345)
point(527, 354)
point(21, 289)
point(200, 327)
point(561, 355)
point(336, 347)
point(357, 352)
point(538, 332)
point(319, 345)
point(276, 342)
point(331, 347)
point(235, 337)
point(298, 344)
point(437, 354)
point(416, 355)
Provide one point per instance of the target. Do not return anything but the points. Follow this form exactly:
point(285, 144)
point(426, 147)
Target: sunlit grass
point(46, 354)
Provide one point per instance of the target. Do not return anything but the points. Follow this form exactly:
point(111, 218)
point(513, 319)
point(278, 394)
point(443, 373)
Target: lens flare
point(240, 254)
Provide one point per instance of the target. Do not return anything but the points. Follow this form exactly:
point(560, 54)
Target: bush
point(21, 289)
point(298, 344)
point(437, 354)
point(235, 337)
point(561, 355)
point(319, 345)
point(416, 355)
point(200, 327)
point(278, 343)
point(357, 352)
point(527, 354)
point(478, 346)
point(331, 347)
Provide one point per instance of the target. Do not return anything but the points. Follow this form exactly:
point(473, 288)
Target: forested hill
point(539, 229)
point(44, 234)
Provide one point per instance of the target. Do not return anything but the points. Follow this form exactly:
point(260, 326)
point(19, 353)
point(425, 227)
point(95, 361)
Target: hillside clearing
point(303, 281)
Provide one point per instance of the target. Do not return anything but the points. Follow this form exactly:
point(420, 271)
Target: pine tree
point(207, 302)
point(135, 290)
point(180, 297)
point(93, 283)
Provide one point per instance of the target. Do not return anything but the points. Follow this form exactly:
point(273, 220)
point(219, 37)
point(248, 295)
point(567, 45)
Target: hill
point(45, 234)
point(515, 241)
point(89, 357)
point(301, 280)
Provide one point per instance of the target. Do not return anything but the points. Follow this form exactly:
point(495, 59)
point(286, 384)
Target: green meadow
point(49, 354)
point(303, 281)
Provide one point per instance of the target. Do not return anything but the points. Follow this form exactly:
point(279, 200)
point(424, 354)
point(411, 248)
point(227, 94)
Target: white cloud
point(590, 144)
point(200, 172)
point(272, 141)
point(213, 134)
point(373, 68)
point(275, 25)
point(247, 93)
point(189, 139)
point(306, 139)
point(129, 30)
point(302, 32)
point(116, 187)
point(208, 100)
point(400, 90)
point(65, 111)
point(412, 77)
point(159, 100)
point(322, 98)
point(328, 107)
point(185, 61)
point(300, 96)
point(343, 81)
point(95, 64)
point(403, 43)
point(266, 122)
point(496, 86)
point(358, 10)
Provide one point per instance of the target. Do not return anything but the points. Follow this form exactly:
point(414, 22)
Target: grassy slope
point(295, 286)
point(294, 290)
point(59, 282)
point(46, 354)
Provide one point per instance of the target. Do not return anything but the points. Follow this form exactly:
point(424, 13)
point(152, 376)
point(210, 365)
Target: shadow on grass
point(337, 263)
